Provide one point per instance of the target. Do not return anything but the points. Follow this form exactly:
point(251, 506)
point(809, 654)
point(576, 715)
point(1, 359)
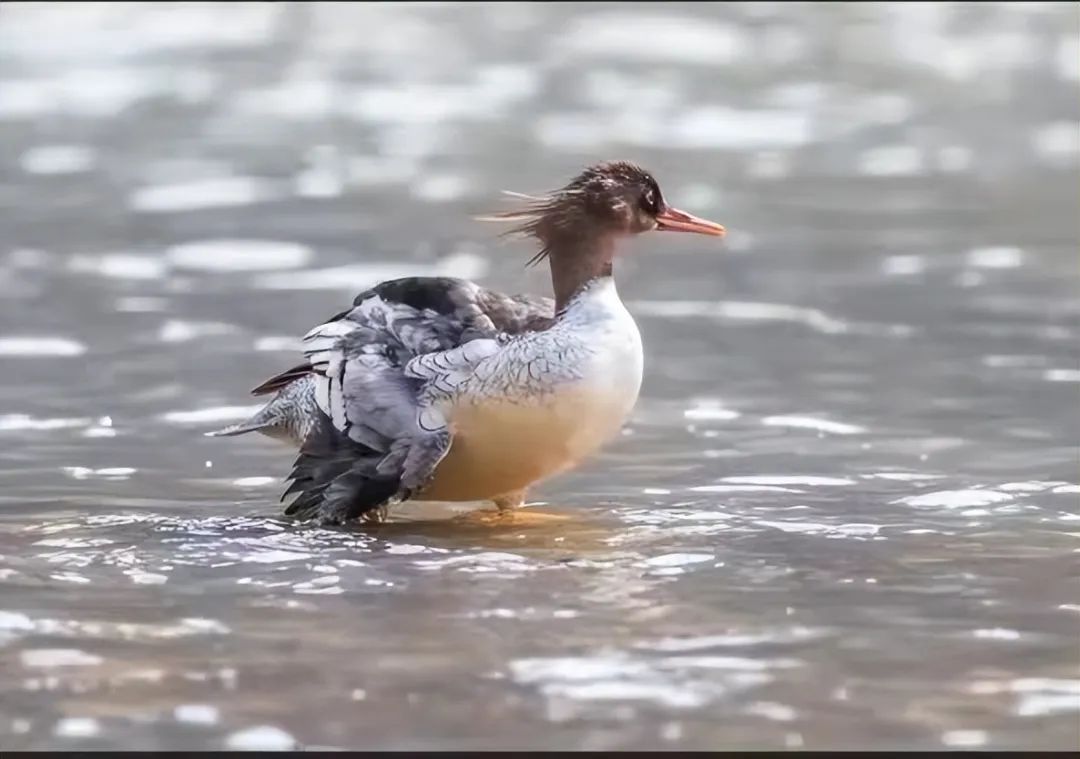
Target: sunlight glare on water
point(843, 514)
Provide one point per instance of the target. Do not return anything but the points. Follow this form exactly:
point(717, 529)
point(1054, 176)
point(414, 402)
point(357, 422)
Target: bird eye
point(648, 200)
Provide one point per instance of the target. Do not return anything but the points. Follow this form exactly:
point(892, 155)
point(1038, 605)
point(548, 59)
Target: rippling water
point(844, 513)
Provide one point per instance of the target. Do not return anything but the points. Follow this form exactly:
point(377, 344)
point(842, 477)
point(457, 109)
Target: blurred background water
point(844, 515)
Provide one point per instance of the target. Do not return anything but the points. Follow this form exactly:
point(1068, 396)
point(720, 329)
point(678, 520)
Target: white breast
point(611, 375)
point(546, 422)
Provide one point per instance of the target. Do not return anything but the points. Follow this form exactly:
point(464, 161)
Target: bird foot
point(377, 515)
point(509, 502)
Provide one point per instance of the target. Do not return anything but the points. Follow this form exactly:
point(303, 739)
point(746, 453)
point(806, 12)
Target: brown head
point(578, 225)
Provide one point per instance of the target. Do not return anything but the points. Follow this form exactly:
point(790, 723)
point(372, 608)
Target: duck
point(440, 389)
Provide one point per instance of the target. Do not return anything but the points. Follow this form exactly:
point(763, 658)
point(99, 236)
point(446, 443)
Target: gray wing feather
point(373, 366)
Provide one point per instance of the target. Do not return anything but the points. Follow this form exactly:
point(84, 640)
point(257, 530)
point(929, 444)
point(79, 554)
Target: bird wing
point(376, 438)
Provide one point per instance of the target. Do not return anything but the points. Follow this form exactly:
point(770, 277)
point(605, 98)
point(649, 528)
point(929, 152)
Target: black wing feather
point(338, 477)
point(279, 381)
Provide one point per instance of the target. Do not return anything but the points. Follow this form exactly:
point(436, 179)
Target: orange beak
point(674, 220)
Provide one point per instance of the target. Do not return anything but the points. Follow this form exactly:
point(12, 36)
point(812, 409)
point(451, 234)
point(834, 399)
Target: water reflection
point(843, 514)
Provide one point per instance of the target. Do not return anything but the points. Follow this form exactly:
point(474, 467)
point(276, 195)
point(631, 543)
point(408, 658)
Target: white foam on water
point(804, 94)
point(731, 663)
point(81, 91)
point(1057, 140)
point(239, 255)
point(274, 557)
point(857, 529)
point(140, 577)
point(485, 562)
point(1046, 685)
point(180, 331)
point(13, 620)
point(569, 131)
point(50, 160)
point(1013, 361)
point(23, 98)
point(784, 480)
point(120, 265)
point(904, 266)
point(743, 489)
point(357, 276)
point(954, 159)
point(999, 257)
point(295, 98)
point(806, 528)
point(719, 127)
point(40, 346)
point(740, 310)
point(319, 183)
point(205, 193)
point(261, 738)
point(1024, 487)
point(772, 711)
point(956, 499)
point(891, 161)
point(902, 476)
point(253, 482)
point(1068, 57)
point(440, 188)
point(850, 530)
point(77, 727)
point(665, 694)
point(710, 412)
point(969, 279)
point(996, 633)
point(23, 422)
point(195, 85)
point(1043, 696)
point(643, 36)
point(349, 277)
point(108, 473)
point(213, 414)
point(810, 423)
point(1062, 375)
point(769, 164)
point(738, 639)
point(964, 738)
point(58, 657)
point(198, 626)
point(604, 677)
point(271, 343)
point(421, 107)
point(29, 258)
point(119, 33)
point(678, 559)
point(887, 108)
point(197, 714)
point(1066, 489)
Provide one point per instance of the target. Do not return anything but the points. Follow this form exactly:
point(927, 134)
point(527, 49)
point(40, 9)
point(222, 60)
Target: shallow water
point(843, 515)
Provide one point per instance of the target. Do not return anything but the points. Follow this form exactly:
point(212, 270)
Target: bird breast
point(543, 404)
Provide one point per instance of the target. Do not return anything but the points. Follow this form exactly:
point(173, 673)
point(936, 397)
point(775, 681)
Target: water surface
point(844, 514)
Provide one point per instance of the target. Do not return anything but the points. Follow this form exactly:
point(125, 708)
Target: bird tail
point(251, 425)
point(287, 417)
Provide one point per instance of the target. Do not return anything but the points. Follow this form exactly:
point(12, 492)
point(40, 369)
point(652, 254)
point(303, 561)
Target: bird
point(439, 389)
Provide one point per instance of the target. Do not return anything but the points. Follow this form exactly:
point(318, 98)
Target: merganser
point(437, 389)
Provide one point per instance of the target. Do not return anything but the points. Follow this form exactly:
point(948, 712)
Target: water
point(843, 515)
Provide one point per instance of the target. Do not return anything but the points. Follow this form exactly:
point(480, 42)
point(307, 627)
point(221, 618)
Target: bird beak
point(674, 220)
